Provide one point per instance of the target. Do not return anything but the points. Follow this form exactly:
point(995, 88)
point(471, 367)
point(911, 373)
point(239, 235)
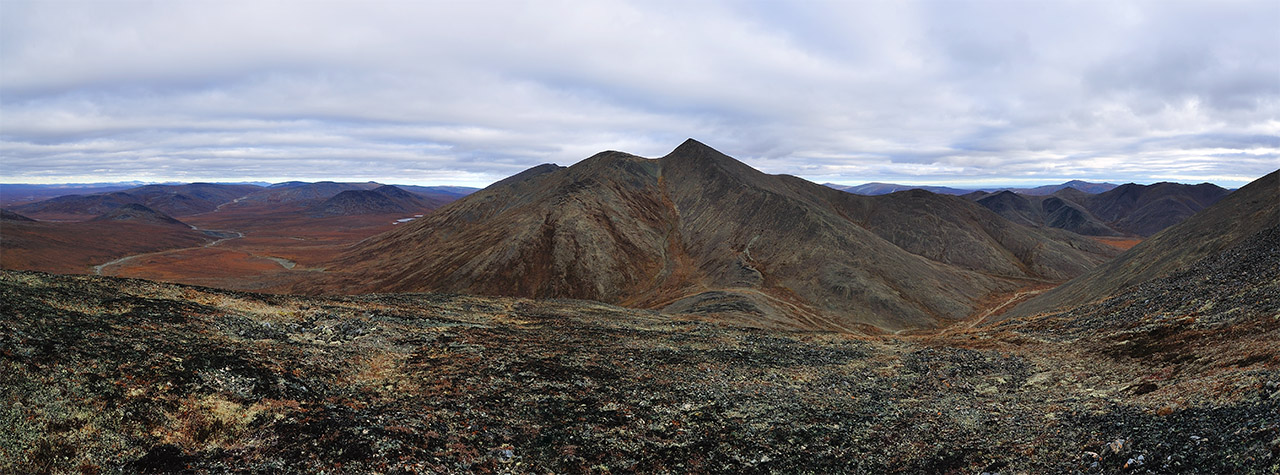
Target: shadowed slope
point(697, 231)
point(137, 213)
point(1241, 214)
point(11, 216)
point(382, 200)
point(1060, 210)
point(1146, 209)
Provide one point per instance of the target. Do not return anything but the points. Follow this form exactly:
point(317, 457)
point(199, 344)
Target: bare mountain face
point(1129, 209)
point(699, 232)
point(1239, 216)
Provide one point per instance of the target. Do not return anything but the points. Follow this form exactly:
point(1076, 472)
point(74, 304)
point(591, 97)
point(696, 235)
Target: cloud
point(470, 92)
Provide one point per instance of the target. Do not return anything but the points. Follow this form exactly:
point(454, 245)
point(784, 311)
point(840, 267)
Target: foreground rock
point(103, 375)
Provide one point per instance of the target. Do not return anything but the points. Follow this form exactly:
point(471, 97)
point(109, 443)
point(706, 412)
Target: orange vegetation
point(278, 246)
point(1121, 243)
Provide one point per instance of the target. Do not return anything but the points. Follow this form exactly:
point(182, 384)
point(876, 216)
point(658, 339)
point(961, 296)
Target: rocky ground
point(105, 375)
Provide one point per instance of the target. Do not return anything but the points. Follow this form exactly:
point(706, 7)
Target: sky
point(469, 92)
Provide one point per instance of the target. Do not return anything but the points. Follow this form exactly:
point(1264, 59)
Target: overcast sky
point(469, 92)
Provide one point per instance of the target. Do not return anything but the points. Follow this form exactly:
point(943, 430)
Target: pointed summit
point(694, 151)
point(713, 167)
point(691, 147)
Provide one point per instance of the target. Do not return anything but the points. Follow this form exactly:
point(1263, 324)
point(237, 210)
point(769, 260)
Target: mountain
point(876, 188)
point(1253, 209)
point(174, 200)
point(385, 199)
point(137, 213)
point(699, 232)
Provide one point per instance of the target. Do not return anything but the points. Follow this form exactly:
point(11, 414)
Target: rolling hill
point(173, 200)
point(137, 213)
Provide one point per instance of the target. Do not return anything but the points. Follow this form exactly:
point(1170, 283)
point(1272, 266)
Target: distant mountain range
point(196, 198)
point(1129, 209)
point(876, 188)
point(699, 232)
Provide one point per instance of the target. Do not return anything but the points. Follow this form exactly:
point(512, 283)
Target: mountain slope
point(1241, 214)
point(697, 231)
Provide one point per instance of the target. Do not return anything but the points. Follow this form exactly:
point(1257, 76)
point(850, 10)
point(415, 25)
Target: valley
point(264, 240)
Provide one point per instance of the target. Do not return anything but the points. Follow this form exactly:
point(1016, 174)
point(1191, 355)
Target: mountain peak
point(694, 149)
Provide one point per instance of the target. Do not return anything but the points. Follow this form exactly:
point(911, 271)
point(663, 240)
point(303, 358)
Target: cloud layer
point(470, 92)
